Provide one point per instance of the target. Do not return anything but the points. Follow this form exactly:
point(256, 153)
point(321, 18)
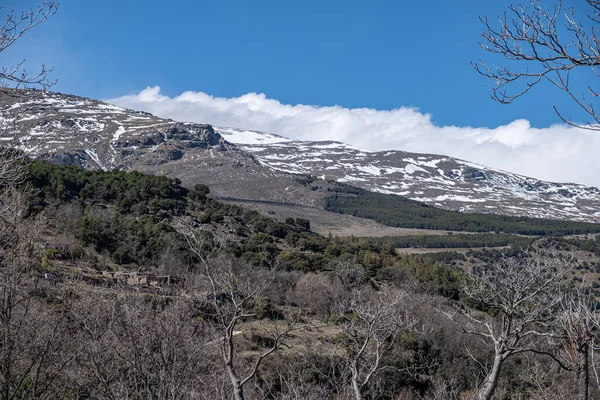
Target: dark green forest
point(393, 210)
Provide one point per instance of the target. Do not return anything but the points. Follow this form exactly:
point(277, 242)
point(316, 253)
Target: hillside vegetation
point(397, 211)
point(132, 286)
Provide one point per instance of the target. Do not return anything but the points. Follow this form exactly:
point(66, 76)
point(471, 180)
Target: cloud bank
point(558, 153)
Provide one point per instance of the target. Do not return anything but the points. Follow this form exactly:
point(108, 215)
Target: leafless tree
point(350, 274)
point(579, 330)
point(441, 390)
point(543, 380)
point(98, 372)
point(546, 44)
point(231, 291)
point(575, 329)
point(316, 293)
point(296, 389)
point(34, 344)
point(139, 348)
point(370, 322)
point(519, 296)
point(17, 77)
point(33, 314)
point(292, 378)
point(15, 228)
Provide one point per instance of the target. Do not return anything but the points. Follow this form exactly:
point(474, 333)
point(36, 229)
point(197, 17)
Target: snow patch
point(118, 133)
point(95, 158)
point(239, 136)
point(411, 169)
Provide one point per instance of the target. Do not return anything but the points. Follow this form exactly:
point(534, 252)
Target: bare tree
point(579, 328)
point(544, 381)
point(316, 293)
point(442, 390)
point(15, 228)
point(232, 290)
point(16, 77)
point(519, 296)
point(130, 347)
point(576, 331)
point(33, 315)
point(371, 322)
point(545, 44)
point(34, 344)
point(350, 275)
point(296, 389)
point(293, 378)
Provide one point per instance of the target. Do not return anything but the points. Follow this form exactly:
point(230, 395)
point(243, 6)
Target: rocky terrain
point(242, 165)
point(66, 129)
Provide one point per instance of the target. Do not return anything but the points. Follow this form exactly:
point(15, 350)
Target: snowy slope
point(241, 136)
point(93, 134)
point(438, 180)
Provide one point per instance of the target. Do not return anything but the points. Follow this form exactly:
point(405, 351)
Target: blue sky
point(355, 53)
point(304, 69)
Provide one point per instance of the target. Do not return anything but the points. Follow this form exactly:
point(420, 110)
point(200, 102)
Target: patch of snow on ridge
point(430, 163)
point(411, 168)
point(110, 107)
point(446, 197)
point(239, 136)
point(95, 158)
point(334, 145)
point(369, 169)
point(350, 178)
point(118, 133)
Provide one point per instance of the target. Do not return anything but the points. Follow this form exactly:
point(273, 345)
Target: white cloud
point(557, 153)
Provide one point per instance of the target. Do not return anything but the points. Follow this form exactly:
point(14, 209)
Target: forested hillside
point(118, 285)
point(125, 285)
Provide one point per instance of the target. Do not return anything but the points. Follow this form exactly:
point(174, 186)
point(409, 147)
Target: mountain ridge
point(443, 181)
point(253, 165)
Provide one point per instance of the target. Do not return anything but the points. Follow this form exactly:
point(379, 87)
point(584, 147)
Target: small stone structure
point(143, 279)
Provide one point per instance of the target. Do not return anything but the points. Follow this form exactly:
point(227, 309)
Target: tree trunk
point(583, 377)
point(355, 386)
point(491, 380)
point(238, 390)
point(356, 389)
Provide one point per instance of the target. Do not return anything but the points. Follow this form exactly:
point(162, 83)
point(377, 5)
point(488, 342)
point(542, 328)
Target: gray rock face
point(93, 134)
point(202, 135)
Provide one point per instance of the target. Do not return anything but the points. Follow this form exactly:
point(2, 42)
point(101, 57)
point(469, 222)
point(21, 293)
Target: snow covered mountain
point(438, 180)
point(249, 165)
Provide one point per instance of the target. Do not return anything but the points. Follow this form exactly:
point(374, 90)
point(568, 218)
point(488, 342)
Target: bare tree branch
point(16, 78)
point(544, 44)
point(371, 322)
point(232, 290)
